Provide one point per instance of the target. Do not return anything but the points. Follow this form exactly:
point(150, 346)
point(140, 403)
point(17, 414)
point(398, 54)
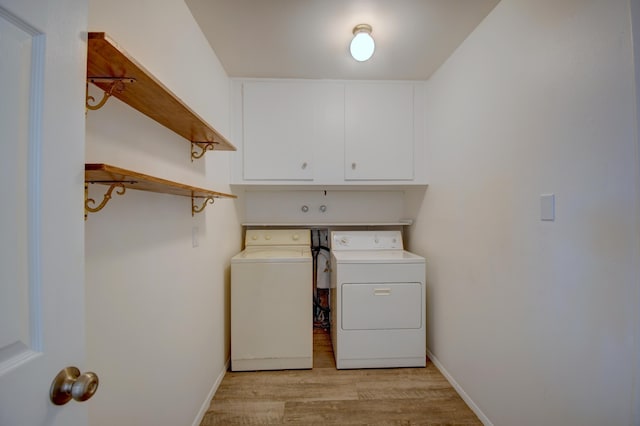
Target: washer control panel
point(366, 240)
point(278, 237)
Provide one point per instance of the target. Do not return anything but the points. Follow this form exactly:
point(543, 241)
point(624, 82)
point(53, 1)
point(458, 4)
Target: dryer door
point(381, 306)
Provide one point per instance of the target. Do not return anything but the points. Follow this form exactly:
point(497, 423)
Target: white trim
point(20, 359)
point(34, 167)
point(406, 222)
point(634, 12)
point(207, 402)
point(478, 412)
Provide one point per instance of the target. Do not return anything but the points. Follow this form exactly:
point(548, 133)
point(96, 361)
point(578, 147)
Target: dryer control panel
point(366, 240)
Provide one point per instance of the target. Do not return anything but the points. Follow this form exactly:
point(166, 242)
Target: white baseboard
point(483, 418)
point(207, 401)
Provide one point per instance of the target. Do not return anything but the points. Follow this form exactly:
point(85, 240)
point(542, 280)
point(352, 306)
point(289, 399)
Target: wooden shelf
point(119, 179)
point(111, 69)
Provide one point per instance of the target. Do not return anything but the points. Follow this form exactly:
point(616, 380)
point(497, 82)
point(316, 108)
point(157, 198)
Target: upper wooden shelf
point(115, 177)
point(106, 61)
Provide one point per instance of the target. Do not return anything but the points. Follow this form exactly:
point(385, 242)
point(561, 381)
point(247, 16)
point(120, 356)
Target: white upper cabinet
point(279, 131)
point(379, 131)
point(312, 132)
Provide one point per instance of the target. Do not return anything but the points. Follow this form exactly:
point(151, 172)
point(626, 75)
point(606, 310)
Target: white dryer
point(272, 301)
point(377, 301)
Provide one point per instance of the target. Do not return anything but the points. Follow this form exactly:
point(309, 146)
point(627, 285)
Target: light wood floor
point(326, 396)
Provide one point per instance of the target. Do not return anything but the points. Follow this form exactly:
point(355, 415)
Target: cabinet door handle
point(382, 292)
point(304, 165)
point(353, 166)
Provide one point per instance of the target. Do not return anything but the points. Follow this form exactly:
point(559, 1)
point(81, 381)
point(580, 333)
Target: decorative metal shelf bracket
point(203, 146)
point(116, 85)
point(195, 209)
point(107, 196)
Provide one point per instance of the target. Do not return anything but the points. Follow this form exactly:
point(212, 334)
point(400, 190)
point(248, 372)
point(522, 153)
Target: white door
point(42, 67)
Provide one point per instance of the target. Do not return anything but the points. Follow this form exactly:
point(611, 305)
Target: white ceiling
point(310, 38)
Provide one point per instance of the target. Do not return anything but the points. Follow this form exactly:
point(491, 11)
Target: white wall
point(537, 322)
point(635, 14)
point(157, 307)
point(342, 207)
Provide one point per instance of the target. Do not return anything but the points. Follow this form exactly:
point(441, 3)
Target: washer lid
point(377, 256)
point(274, 254)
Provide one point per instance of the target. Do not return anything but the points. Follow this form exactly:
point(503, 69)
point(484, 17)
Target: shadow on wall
point(414, 200)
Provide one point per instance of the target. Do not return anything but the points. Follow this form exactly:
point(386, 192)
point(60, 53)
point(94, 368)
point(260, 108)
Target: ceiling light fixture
point(362, 45)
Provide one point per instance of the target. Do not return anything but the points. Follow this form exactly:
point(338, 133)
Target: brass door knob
point(70, 384)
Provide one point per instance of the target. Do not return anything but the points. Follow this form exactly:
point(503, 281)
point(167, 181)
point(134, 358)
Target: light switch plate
point(194, 237)
point(548, 207)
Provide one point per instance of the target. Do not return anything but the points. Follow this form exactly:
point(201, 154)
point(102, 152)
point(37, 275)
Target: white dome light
point(362, 45)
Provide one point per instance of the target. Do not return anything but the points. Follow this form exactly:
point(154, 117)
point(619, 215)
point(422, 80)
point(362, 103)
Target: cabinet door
point(379, 131)
point(279, 129)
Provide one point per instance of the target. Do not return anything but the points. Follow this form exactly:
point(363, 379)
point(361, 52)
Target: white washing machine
point(377, 301)
point(272, 301)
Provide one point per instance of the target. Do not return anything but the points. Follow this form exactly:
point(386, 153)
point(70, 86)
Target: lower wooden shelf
point(119, 179)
